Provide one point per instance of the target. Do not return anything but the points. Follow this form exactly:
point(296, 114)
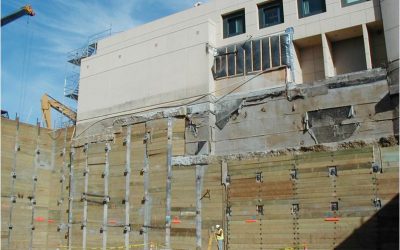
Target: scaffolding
point(74, 58)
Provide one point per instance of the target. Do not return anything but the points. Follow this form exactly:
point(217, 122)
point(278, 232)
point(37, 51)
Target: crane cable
point(25, 68)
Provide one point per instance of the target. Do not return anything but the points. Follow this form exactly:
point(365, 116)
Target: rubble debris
point(388, 141)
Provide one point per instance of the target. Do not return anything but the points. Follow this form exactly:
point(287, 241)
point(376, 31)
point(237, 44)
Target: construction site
point(277, 120)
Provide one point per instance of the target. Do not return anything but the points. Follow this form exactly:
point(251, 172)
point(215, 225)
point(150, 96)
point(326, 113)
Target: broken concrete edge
point(291, 92)
point(326, 147)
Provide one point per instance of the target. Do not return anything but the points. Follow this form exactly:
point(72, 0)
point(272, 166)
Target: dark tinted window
point(234, 24)
point(351, 2)
point(311, 7)
point(270, 13)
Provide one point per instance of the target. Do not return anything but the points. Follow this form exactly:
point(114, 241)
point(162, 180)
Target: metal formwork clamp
point(107, 148)
point(10, 227)
point(127, 228)
point(146, 137)
point(59, 202)
point(85, 147)
point(35, 178)
point(83, 197)
point(14, 175)
point(17, 148)
point(13, 198)
point(62, 178)
point(85, 171)
point(126, 172)
point(106, 199)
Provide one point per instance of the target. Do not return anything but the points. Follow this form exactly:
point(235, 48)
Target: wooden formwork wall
point(31, 161)
point(198, 201)
point(315, 225)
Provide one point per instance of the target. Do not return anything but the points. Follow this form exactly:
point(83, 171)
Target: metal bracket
point(206, 195)
point(293, 174)
point(377, 203)
point(376, 168)
point(332, 171)
point(127, 228)
point(259, 177)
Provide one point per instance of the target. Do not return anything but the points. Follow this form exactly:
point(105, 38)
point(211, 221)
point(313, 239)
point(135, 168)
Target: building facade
point(277, 120)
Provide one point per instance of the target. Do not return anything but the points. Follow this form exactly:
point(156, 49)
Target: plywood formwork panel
point(183, 208)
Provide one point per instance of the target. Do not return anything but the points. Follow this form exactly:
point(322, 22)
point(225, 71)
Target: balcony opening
point(309, 60)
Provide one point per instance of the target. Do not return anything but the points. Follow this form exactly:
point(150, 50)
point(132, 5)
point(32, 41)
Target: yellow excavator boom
point(49, 102)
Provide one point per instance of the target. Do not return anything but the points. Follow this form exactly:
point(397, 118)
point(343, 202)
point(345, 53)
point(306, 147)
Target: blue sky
point(34, 49)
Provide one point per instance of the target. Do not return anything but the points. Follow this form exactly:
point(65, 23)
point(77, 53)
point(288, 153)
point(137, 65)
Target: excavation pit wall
point(205, 190)
point(271, 167)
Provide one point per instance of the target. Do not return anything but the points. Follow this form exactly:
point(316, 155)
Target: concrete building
point(338, 37)
point(276, 119)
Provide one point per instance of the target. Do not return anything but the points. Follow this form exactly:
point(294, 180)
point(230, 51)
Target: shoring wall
point(198, 200)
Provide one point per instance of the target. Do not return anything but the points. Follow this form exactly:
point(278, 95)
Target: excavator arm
point(49, 102)
point(26, 10)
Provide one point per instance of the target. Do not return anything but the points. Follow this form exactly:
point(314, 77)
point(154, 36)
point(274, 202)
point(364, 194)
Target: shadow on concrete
point(380, 232)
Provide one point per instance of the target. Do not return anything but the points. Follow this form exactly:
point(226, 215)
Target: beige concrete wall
point(378, 48)
point(390, 14)
point(312, 63)
point(349, 55)
point(166, 60)
point(175, 65)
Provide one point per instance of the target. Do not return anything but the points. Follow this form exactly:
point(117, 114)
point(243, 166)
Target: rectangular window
point(351, 2)
point(234, 24)
point(270, 13)
point(310, 7)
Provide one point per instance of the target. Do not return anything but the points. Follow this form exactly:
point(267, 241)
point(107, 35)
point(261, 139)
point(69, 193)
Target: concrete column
point(328, 57)
point(367, 46)
point(390, 18)
point(297, 66)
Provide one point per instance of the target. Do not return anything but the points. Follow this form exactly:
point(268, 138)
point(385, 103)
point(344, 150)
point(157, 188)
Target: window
point(311, 7)
point(351, 2)
point(234, 24)
point(270, 13)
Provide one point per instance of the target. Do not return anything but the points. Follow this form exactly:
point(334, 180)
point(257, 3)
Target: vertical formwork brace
point(199, 191)
point(168, 188)
point(127, 174)
point(34, 182)
point(333, 177)
point(71, 195)
point(106, 194)
point(62, 179)
point(84, 198)
point(13, 198)
point(146, 199)
point(295, 213)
